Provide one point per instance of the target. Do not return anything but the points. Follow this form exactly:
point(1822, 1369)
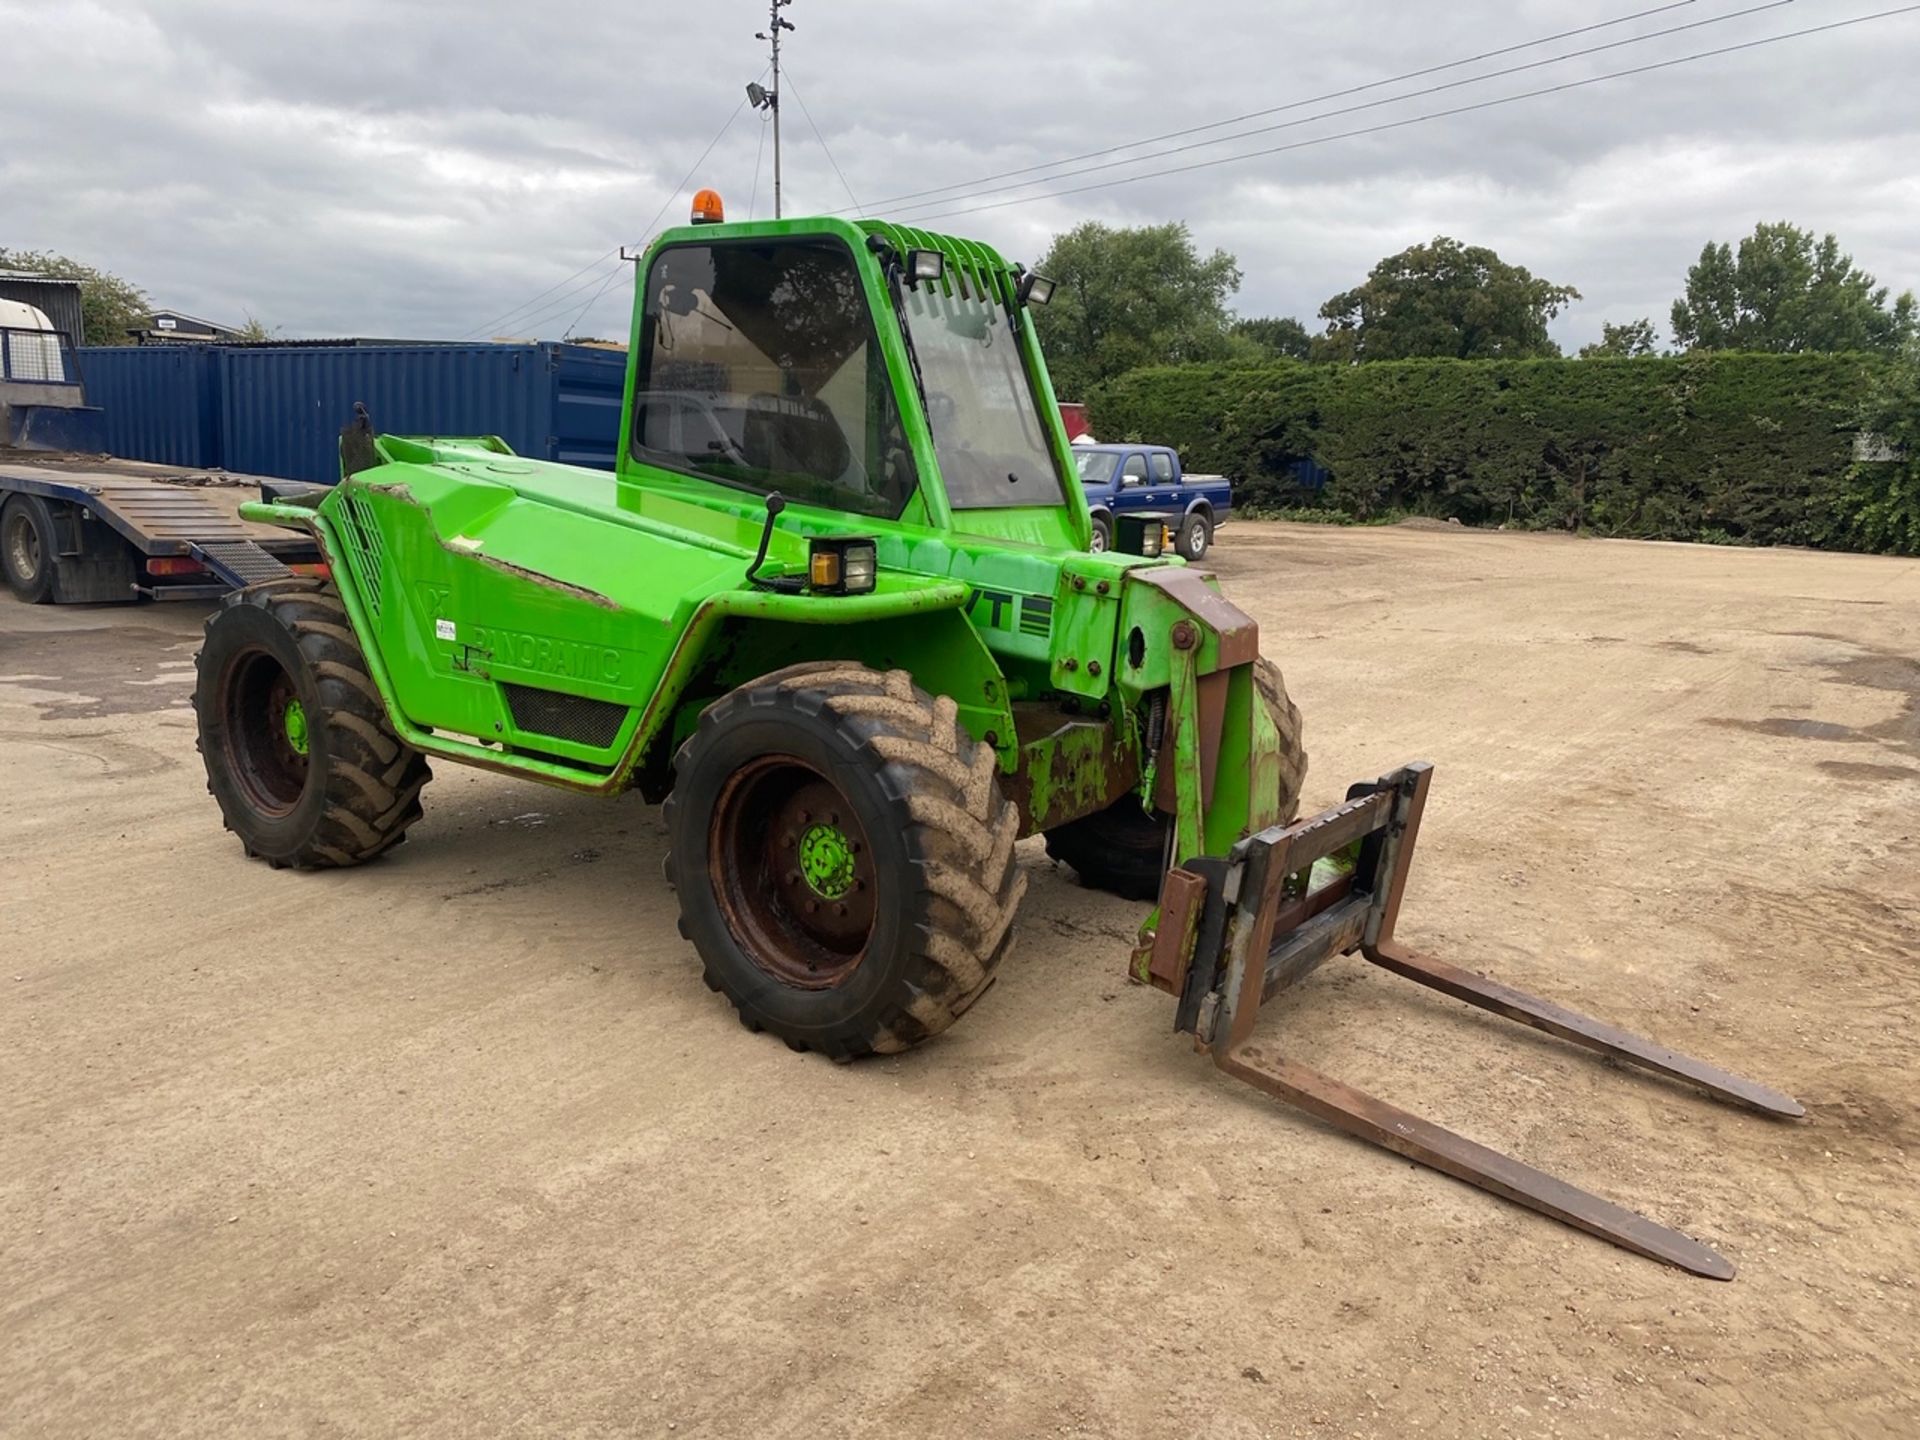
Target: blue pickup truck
point(1119, 478)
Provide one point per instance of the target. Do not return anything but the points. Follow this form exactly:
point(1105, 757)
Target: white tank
point(32, 345)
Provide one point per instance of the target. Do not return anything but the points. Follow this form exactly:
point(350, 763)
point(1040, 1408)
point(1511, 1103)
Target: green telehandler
point(836, 607)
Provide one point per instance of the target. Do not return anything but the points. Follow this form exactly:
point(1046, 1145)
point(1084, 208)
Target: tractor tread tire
point(1122, 849)
point(364, 784)
point(942, 817)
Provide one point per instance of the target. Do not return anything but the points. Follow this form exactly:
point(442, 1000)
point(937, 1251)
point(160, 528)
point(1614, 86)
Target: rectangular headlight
point(1140, 533)
point(841, 565)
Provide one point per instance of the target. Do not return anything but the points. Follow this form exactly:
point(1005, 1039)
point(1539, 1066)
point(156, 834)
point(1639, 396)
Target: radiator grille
point(564, 717)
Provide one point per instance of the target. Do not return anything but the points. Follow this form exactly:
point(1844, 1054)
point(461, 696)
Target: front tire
point(844, 858)
point(300, 755)
point(1102, 535)
point(1123, 850)
point(27, 548)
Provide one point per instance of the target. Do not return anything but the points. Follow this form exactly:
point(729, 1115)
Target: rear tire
point(300, 755)
point(1122, 849)
point(844, 858)
point(1195, 537)
point(27, 548)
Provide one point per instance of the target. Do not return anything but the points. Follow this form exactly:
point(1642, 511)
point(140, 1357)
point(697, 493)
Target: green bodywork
point(570, 625)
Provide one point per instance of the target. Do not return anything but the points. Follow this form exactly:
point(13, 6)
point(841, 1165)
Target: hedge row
point(1754, 449)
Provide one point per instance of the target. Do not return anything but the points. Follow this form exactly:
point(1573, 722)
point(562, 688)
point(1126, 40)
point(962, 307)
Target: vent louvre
point(363, 539)
point(564, 717)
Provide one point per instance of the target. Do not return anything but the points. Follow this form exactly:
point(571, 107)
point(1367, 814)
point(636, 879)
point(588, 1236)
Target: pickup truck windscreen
point(981, 409)
point(1096, 466)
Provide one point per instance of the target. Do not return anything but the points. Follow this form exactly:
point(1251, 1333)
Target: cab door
point(1132, 484)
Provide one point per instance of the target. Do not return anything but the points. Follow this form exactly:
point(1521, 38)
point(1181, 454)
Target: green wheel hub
point(826, 860)
point(296, 726)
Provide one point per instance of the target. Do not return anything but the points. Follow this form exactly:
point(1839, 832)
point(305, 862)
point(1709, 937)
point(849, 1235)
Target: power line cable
point(753, 199)
point(1294, 104)
point(595, 263)
point(563, 302)
point(1366, 105)
point(1437, 114)
point(573, 325)
point(822, 139)
point(497, 322)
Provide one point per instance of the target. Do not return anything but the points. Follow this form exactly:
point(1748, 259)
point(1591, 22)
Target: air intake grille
point(564, 717)
point(363, 539)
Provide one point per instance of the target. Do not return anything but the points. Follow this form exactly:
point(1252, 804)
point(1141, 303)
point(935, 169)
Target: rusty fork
point(1233, 933)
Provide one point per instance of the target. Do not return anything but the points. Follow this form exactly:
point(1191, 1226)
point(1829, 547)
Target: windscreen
point(1096, 466)
point(986, 426)
point(760, 369)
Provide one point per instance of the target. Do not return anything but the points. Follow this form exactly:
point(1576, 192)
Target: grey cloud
point(417, 169)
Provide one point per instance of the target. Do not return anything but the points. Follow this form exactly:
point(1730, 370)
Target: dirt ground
point(460, 1145)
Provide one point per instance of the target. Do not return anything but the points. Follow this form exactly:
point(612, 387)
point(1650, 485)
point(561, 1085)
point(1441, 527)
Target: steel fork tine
point(1407, 1134)
point(1581, 1029)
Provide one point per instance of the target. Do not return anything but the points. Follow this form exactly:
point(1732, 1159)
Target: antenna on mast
point(768, 98)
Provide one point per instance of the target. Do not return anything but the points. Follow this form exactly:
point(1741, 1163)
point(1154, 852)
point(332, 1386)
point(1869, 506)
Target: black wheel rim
point(264, 737)
point(793, 872)
point(23, 546)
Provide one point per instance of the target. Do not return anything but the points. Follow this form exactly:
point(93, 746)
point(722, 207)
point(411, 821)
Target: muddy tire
point(843, 857)
point(1123, 850)
point(299, 753)
point(1272, 690)
point(27, 548)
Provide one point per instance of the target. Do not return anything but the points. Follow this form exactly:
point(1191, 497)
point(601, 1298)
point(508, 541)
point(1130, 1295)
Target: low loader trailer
point(76, 529)
point(837, 608)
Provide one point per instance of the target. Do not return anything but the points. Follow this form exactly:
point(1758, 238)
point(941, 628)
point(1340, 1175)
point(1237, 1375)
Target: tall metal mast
point(769, 99)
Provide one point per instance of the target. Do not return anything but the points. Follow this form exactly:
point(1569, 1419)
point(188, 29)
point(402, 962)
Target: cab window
point(759, 369)
point(1134, 472)
point(1162, 467)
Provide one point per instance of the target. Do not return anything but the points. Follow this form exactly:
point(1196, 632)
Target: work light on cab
point(1034, 289)
point(925, 265)
point(841, 565)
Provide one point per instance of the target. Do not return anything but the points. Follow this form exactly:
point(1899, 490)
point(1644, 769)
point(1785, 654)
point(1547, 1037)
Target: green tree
point(109, 306)
point(1124, 298)
point(257, 329)
point(1274, 337)
point(1785, 291)
point(1443, 299)
point(1634, 338)
point(1881, 504)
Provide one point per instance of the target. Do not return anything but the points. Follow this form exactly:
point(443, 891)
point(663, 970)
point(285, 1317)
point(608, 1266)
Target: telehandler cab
point(836, 607)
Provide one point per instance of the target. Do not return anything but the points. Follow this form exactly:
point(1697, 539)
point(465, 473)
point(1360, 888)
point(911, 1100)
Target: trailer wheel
point(27, 547)
point(844, 858)
point(306, 768)
point(1123, 850)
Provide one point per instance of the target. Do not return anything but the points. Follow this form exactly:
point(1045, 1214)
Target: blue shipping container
point(278, 410)
point(158, 402)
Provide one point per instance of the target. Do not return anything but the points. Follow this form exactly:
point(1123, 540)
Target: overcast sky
point(399, 168)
